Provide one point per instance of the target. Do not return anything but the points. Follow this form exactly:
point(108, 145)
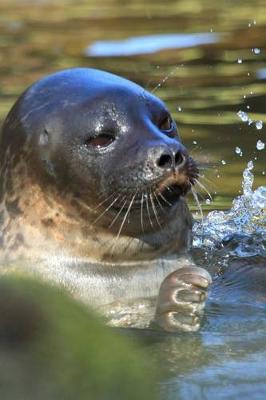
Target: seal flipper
point(181, 300)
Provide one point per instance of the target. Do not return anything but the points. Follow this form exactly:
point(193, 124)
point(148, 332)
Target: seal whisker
point(155, 211)
point(119, 212)
point(141, 212)
point(126, 214)
point(199, 195)
point(104, 201)
point(93, 209)
point(203, 187)
point(164, 199)
point(158, 201)
point(124, 220)
point(208, 180)
point(148, 208)
point(84, 204)
point(198, 203)
point(102, 194)
point(107, 209)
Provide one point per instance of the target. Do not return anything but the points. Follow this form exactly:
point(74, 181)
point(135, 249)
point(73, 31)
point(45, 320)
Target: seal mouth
point(160, 194)
point(172, 193)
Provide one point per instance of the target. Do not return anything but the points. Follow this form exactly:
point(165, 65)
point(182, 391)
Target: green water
point(205, 86)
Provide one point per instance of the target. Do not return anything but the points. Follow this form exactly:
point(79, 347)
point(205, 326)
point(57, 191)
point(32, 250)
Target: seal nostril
point(179, 158)
point(165, 161)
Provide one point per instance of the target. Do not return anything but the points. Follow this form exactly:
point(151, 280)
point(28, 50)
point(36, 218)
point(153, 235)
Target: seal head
point(97, 151)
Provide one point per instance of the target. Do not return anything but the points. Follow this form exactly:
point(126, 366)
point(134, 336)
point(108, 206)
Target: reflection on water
point(149, 44)
point(205, 85)
point(261, 73)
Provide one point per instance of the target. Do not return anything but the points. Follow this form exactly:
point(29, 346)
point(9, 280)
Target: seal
point(92, 191)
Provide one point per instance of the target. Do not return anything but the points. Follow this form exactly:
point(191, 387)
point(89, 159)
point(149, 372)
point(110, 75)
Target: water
point(246, 216)
point(216, 90)
point(226, 359)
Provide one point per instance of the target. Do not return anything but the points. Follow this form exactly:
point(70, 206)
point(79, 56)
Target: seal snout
point(171, 160)
point(167, 157)
point(179, 174)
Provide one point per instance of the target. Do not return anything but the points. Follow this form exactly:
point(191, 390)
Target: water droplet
point(195, 142)
point(256, 50)
point(239, 61)
point(243, 115)
point(248, 107)
point(250, 165)
point(223, 162)
point(238, 151)
point(179, 109)
point(259, 125)
point(260, 145)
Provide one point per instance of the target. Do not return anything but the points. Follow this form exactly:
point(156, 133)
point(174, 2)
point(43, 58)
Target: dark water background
point(206, 76)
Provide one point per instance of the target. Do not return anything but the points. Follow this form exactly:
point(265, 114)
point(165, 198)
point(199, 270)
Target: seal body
point(93, 183)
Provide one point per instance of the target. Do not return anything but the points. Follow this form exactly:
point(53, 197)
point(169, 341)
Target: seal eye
point(166, 124)
point(102, 140)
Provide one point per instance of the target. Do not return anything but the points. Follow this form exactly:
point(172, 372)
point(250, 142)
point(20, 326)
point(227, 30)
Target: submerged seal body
point(92, 185)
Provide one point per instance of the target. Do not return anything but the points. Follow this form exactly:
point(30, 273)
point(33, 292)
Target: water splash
point(246, 217)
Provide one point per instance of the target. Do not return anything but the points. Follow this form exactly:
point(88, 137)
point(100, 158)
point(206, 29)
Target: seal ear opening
point(45, 152)
point(44, 138)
